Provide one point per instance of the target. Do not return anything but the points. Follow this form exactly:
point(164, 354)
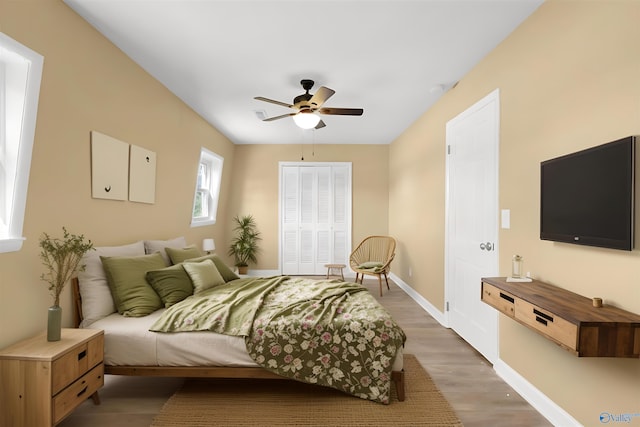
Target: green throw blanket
point(323, 332)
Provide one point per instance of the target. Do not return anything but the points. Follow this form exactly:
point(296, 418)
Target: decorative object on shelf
point(61, 257)
point(208, 245)
point(597, 302)
point(244, 246)
point(516, 266)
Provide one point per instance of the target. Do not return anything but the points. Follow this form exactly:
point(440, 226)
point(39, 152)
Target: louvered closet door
point(315, 217)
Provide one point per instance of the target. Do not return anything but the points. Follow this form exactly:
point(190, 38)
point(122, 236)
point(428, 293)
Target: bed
point(163, 317)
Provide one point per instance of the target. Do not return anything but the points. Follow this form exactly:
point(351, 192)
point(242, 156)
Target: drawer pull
point(541, 320)
point(83, 391)
point(507, 297)
point(82, 354)
point(543, 315)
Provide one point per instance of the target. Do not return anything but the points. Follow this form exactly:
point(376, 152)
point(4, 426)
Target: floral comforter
point(323, 332)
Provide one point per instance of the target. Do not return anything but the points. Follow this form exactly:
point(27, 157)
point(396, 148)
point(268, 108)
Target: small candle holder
point(516, 266)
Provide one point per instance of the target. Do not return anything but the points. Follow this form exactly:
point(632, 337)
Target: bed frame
point(397, 377)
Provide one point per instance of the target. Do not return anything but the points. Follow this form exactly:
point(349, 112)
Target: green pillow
point(178, 255)
point(204, 275)
point(171, 283)
point(132, 295)
point(226, 273)
point(370, 264)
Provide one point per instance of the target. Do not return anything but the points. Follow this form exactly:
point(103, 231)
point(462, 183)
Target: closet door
point(315, 216)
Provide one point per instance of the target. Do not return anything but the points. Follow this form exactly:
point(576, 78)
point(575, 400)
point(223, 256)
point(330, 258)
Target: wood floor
point(468, 381)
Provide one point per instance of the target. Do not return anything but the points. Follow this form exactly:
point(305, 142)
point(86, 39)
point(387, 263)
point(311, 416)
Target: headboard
point(77, 302)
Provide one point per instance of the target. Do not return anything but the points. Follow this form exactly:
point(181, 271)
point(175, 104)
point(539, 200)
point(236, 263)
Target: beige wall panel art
point(142, 175)
point(109, 167)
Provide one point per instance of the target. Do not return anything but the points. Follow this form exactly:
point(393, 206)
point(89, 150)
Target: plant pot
point(54, 323)
point(243, 269)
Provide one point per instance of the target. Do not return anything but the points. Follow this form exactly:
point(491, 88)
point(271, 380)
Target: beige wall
point(256, 179)
point(569, 78)
point(88, 84)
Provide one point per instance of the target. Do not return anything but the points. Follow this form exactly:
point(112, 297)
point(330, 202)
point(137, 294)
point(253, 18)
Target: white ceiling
point(388, 57)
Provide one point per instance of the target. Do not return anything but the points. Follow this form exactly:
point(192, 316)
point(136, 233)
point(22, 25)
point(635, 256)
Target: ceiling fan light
point(306, 119)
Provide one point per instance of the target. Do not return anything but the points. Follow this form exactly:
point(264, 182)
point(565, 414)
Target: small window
point(20, 75)
point(205, 201)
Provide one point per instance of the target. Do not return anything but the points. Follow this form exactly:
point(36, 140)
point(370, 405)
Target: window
point(20, 74)
point(205, 201)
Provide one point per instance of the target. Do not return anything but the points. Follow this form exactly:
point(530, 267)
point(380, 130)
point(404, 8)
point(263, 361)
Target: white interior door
point(315, 216)
point(472, 222)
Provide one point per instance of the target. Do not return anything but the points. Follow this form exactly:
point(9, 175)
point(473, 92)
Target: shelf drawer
point(498, 299)
point(549, 324)
point(67, 400)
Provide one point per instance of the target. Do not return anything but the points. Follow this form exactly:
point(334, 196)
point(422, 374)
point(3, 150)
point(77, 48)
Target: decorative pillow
point(94, 288)
point(133, 296)
point(224, 270)
point(370, 265)
point(204, 275)
point(178, 255)
point(172, 284)
point(152, 246)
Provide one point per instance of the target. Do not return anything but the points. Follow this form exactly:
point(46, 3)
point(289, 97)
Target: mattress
point(128, 342)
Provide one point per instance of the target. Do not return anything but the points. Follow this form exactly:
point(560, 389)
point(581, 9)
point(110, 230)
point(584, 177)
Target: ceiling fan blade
point(341, 111)
point(320, 125)
point(321, 96)
point(270, 119)
point(284, 104)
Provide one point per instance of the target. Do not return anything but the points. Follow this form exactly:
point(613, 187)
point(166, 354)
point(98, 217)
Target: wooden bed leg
point(96, 398)
point(398, 380)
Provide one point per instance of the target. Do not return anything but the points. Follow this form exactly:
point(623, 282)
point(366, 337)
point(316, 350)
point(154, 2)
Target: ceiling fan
point(307, 105)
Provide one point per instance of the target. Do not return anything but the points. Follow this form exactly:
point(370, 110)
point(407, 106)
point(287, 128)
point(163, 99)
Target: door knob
point(486, 246)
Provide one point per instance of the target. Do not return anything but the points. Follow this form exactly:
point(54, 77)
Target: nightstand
point(41, 382)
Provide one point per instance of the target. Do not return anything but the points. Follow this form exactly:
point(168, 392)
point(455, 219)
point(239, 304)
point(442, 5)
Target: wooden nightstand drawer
point(77, 392)
point(76, 363)
point(551, 325)
point(501, 300)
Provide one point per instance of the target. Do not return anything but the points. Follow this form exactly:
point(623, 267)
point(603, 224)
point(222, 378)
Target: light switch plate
point(505, 218)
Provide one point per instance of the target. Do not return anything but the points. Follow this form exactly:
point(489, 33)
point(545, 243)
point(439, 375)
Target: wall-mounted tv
point(587, 197)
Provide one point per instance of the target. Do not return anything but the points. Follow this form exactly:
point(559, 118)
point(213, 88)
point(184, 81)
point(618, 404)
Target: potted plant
point(244, 246)
point(61, 257)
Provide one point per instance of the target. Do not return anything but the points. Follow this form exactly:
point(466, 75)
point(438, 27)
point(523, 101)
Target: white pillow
point(97, 301)
point(152, 246)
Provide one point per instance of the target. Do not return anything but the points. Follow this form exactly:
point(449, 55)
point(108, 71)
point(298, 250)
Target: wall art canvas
point(109, 167)
point(142, 175)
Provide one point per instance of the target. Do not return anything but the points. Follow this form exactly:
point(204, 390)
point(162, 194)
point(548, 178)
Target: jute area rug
point(246, 402)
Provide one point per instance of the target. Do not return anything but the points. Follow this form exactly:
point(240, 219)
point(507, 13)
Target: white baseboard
point(422, 302)
point(547, 407)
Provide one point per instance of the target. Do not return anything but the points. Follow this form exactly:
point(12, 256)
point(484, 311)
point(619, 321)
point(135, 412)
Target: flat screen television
point(587, 197)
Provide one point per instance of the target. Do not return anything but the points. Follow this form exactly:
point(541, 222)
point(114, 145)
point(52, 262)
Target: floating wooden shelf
point(566, 318)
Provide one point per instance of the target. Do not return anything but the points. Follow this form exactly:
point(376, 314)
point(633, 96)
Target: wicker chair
point(373, 256)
